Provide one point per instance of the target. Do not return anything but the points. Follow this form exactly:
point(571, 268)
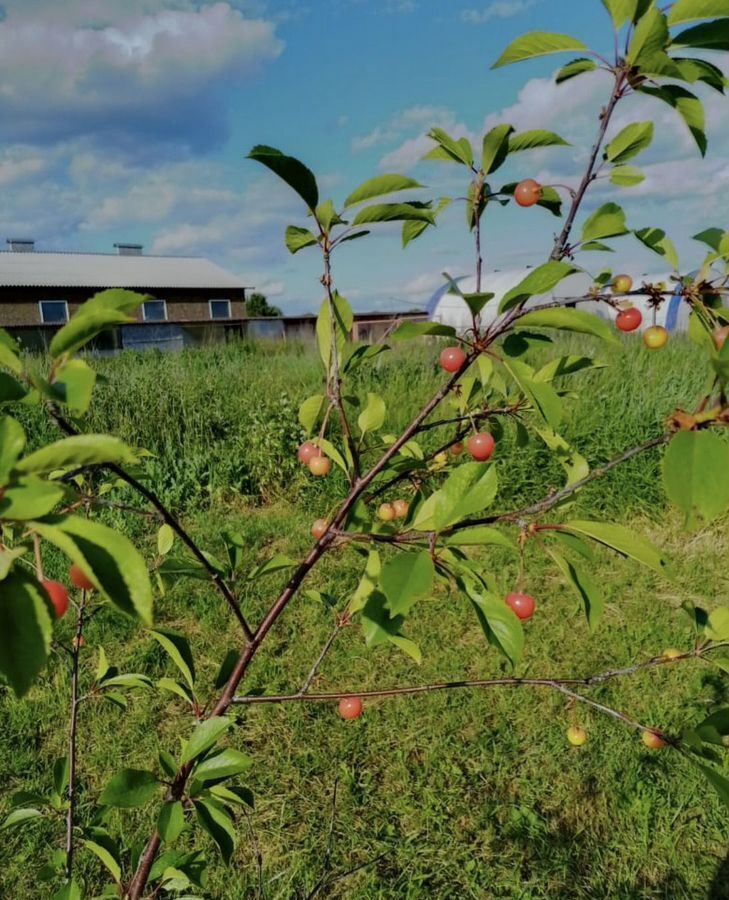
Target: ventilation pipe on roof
point(129, 249)
point(21, 245)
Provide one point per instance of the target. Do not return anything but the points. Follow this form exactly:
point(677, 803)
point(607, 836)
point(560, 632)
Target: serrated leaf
point(541, 395)
point(449, 149)
point(629, 142)
point(379, 187)
point(566, 319)
point(708, 36)
point(79, 450)
point(406, 578)
point(621, 11)
point(226, 764)
point(586, 589)
point(574, 68)
point(20, 817)
point(204, 737)
point(393, 212)
point(130, 788)
point(86, 325)
point(687, 105)
point(607, 221)
point(25, 630)
point(622, 540)
point(532, 140)
point(109, 558)
point(684, 11)
point(537, 43)
point(171, 821)
point(106, 858)
point(310, 412)
point(297, 238)
point(29, 497)
point(500, 624)
point(372, 416)
point(496, 147)
point(294, 173)
point(649, 37)
point(478, 536)
point(178, 649)
point(215, 820)
point(696, 475)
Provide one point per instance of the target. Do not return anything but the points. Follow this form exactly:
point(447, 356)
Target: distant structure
point(190, 298)
point(448, 308)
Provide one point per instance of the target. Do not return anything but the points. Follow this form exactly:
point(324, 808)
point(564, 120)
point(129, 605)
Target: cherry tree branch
point(72, 735)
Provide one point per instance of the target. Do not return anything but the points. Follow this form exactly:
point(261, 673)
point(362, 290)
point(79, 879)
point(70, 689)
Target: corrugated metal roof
point(102, 270)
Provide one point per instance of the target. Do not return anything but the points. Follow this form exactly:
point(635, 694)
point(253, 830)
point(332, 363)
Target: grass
point(452, 795)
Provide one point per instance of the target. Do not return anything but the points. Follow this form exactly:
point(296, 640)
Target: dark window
point(220, 309)
point(154, 311)
point(53, 312)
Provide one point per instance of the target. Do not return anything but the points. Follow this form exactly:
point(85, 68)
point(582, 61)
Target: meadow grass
point(452, 795)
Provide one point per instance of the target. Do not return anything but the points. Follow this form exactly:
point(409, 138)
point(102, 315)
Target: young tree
point(405, 547)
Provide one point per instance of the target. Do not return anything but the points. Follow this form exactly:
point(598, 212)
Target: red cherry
point(80, 579)
point(522, 604)
point(457, 448)
point(629, 319)
point(528, 192)
point(319, 529)
point(350, 707)
point(306, 451)
point(58, 596)
point(481, 446)
point(452, 358)
point(319, 465)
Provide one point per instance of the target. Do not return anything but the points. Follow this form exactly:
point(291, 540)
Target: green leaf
point(537, 43)
point(719, 782)
point(626, 176)
point(176, 687)
point(566, 319)
point(310, 411)
point(470, 488)
point(532, 140)
point(12, 442)
point(574, 68)
point(372, 416)
point(11, 391)
point(69, 891)
point(709, 36)
point(629, 142)
point(60, 775)
point(495, 148)
point(20, 817)
point(165, 539)
point(215, 820)
point(362, 354)
point(650, 36)
point(574, 464)
point(178, 649)
point(29, 498)
point(500, 624)
point(290, 170)
point(541, 395)
point(696, 475)
point(130, 788)
point(621, 11)
point(331, 451)
point(607, 221)
point(478, 536)
point(684, 11)
point(476, 302)
point(717, 626)
point(109, 558)
point(171, 821)
point(693, 70)
point(539, 281)
point(85, 325)
point(622, 540)
point(688, 106)
point(297, 238)
point(79, 450)
point(106, 858)
point(343, 321)
point(710, 236)
point(394, 212)
point(327, 216)
point(204, 737)
point(276, 563)
point(377, 625)
point(409, 330)
point(379, 187)
point(412, 230)
point(8, 356)
point(225, 764)
point(596, 245)
point(8, 558)
point(459, 151)
point(406, 578)
point(586, 589)
point(25, 630)
point(73, 386)
point(655, 239)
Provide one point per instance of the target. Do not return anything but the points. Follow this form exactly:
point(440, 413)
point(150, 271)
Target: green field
point(463, 794)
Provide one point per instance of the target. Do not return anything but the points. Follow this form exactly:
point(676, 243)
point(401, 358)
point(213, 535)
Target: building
point(190, 298)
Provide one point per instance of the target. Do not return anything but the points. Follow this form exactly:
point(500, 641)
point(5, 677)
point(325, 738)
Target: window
point(154, 311)
point(220, 309)
point(53, 312)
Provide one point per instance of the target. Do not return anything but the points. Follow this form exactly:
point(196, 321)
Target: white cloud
point(421, 117)
point(499, 9)
point(150, 72)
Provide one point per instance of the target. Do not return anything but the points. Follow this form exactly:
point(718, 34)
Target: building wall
point(19, 306)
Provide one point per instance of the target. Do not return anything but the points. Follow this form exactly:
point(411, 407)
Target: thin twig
point(258, 853)
point(326, 865)
point(341, 624)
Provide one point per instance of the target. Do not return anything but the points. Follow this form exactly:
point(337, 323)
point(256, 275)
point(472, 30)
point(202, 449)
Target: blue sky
point(130, 122)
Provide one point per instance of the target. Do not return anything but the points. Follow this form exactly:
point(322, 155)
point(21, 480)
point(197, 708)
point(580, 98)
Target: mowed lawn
point(457, 794)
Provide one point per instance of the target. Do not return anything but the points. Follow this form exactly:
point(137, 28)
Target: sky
point(130, 122)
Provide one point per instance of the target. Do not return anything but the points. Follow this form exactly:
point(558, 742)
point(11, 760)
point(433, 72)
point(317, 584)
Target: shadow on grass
point(719, 889)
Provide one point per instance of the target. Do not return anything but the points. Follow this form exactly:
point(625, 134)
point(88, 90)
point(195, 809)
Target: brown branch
point(167, 517)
